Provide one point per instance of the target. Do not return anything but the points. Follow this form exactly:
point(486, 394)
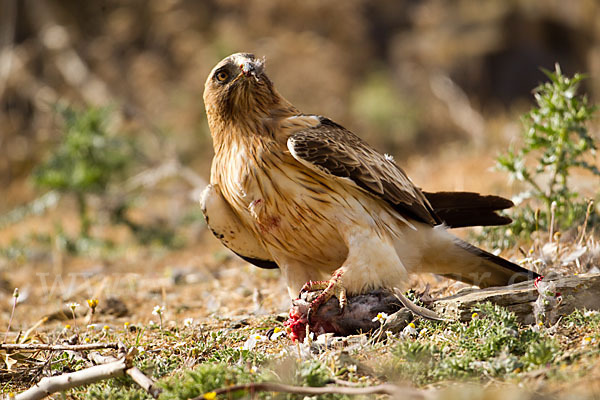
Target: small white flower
point(188, 322)
point(151, 323)
point(381, 318)
point(92, 326)
point(141, 350)
point(389, 157)
point(588, 341)
point(158, 310)
point(308, 339)
point(277, 333)
point(252, 340)
point(351, 368)
point(409, 330)
point(73, 306)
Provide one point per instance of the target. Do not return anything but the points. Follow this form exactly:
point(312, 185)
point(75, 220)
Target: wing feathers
point(331, 149)
point(460, 209)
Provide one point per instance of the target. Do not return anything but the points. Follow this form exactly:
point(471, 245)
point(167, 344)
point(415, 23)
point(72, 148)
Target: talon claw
point(331, 288)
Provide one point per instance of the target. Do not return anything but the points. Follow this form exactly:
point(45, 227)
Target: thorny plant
point(556, 140)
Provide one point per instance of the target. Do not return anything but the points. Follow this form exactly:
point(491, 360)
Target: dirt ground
point(200, 279)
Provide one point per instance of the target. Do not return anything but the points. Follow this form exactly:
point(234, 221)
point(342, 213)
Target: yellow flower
point(210, 395)
point(87, 340)
point(412, 325)
point(106, 328)
point(67, 326)
point(474, 315)
point(92, 303)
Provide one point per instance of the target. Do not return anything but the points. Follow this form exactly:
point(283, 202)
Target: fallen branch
point(138, 376)
point(578, 292)
point(48, 385)
point(392, 390)
point(57, 347)
point(108, 367)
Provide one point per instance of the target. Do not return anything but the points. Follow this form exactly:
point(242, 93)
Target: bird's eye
point(222, 76)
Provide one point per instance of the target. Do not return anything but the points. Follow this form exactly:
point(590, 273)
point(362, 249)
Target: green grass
point(492, 347)
point(492, 344)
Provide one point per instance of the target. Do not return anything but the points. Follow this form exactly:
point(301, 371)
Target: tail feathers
point(461, 209)
point(490, 271)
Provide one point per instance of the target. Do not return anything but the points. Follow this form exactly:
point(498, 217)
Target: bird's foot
point(330, 288)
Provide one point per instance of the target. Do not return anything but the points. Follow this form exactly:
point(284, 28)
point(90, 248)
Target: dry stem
point(388, 389)
point(58, 347)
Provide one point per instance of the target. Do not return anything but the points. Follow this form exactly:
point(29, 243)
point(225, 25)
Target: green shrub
point(86, 161)
point(556, 140)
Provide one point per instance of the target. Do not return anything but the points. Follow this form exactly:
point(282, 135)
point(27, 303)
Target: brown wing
point(460, 209)
point(330, 148)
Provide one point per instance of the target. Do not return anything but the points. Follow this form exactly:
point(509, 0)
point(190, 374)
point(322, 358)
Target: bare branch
point(7, 36)
point(59, 347)
point(108, 367)
point(55, 38)
point(138, 376)
point(48, 385)
point(388, 389)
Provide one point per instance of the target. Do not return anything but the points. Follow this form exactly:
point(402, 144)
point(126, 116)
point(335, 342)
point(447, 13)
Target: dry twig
point(108, 367)
point(57, 347)
point(48, 385)
point(388, 389)
point(138, 376)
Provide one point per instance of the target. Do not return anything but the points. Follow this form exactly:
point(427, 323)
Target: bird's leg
point(330, 288)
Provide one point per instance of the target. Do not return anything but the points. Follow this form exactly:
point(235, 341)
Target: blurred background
point(411, 77)
point(440, 85)
point(100, 202)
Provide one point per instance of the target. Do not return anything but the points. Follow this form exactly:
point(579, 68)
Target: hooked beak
point(251, 68)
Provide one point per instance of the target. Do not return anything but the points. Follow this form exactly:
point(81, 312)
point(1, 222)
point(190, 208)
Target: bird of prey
point(300, 192)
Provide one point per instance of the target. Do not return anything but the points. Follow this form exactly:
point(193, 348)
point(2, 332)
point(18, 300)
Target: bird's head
point(238, 89)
